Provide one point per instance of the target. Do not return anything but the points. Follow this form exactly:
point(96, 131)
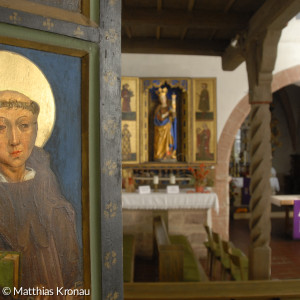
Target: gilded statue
point(165, 128)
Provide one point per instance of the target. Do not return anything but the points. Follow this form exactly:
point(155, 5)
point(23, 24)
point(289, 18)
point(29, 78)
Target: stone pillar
point(260, 59)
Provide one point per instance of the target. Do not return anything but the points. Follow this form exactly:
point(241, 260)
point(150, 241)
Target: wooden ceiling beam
point(172, 46)
point(179, 18)
point(128, 32)
point(273, 15)
point(191, 4)
point(190, 7)
point(232, 58)
point(159, 5)
point(226, 9)
point(229, 5)
point(158, 29)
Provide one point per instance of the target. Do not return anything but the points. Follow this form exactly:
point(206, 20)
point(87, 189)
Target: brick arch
point(225, 143)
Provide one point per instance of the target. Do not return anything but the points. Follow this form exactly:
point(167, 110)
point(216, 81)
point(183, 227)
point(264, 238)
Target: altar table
point(161, 200)
point(284, 200)
point(186, 199)
point(184, 204)
point(287, 201)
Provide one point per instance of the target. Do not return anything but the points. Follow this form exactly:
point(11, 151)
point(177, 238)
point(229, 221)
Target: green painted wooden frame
point(89, 53)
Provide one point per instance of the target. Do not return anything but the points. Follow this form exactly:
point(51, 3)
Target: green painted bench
point(192, 269)
point(128, 257)
point(176, 258)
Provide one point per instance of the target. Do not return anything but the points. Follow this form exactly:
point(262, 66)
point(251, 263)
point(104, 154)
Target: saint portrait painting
point(205, 141)
point(205, 99)
point(130, 119)
point(39, 216)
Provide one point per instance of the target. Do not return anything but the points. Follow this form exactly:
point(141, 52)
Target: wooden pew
point(128, 257)
point(170, 257)
point(177, 261)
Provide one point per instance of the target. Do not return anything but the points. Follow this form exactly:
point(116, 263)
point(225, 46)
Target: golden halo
point(20, 74)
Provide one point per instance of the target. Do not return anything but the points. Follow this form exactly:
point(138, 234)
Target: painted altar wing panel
point(63, 73)
point(45, 227)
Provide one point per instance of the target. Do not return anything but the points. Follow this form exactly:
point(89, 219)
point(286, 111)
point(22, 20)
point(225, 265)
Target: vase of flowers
point(200, 177)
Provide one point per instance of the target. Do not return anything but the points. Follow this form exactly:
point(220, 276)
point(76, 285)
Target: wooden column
point(260, 59)
point(110, 149)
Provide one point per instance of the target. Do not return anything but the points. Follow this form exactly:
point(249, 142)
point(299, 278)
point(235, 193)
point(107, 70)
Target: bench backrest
point(170, 256)
point(160, 232)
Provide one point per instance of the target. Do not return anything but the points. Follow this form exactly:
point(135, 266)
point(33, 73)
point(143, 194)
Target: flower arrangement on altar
point(200, 176)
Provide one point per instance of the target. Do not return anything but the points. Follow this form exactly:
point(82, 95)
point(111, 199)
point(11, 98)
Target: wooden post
point(260, 60)
point(110, 149)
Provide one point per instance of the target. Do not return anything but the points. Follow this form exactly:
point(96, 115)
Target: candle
point(174, 102)
point(155, 179)
point(172, 179)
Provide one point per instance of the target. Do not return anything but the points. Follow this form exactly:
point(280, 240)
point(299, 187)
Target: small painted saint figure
point(126, 147)
point(165, 128)
point(126, 95)
point(203, 143)
point(204, 99)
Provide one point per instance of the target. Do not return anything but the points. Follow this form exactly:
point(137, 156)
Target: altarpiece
point(194, 133)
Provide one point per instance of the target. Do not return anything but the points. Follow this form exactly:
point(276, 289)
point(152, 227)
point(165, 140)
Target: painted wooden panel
point(49, 225)
point(130, 119)
point(204, 120)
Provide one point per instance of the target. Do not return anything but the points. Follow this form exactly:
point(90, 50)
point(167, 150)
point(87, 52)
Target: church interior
point(175, 143)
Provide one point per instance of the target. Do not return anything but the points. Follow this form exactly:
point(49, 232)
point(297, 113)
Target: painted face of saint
point(18, 131)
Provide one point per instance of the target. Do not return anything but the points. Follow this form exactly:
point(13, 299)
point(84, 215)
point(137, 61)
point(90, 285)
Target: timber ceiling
point(197, 27)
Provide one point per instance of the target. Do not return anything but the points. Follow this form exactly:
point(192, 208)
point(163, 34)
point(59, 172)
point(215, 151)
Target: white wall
point(231, 86)
point(289, 47)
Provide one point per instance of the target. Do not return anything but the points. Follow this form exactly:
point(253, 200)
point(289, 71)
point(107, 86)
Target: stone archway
point(234, 122)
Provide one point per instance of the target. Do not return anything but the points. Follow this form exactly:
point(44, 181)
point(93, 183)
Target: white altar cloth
point(282, 200)
point(162, 200)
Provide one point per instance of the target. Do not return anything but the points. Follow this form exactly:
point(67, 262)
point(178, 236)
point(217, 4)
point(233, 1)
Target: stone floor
point(285, 250)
